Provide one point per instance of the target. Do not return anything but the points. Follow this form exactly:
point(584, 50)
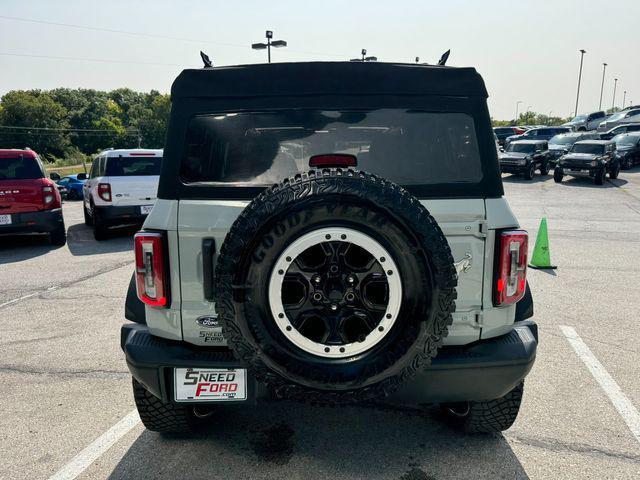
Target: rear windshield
point(20, 168)
point(588, 148)
point(133, 166)
point(521, 147)
point(409, 147)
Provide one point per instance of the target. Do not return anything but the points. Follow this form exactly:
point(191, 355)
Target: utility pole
point(364, 57)
point(613, 102)
point(624, 98)
point(582, 52)
point(604, 67)
point(270, 43)
point(517, 105)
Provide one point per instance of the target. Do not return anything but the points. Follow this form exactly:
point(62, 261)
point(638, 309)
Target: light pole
point(270, 43)
point(549, 117)
point(604, 67)
point(624, 98)
point(582, 52)
point(613, 102)
point(364, 58)
point(417, 59)
point(517, 105)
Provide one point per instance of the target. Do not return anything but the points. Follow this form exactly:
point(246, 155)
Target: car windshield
point(579, 118)
point(19, 168)
point(563, 140)
point(133, 166)
point(616, 116)
point(521, 148)
point(625, 140)
point(408, 147)
point(593, 148)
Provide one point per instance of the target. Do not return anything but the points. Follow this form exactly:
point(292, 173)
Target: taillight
point(151, 273)
point(511, 267)
point(104, 191)
point(333, 160)
point(48, 195)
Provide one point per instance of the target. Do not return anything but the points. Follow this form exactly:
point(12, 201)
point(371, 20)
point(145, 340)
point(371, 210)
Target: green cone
point(541, 257)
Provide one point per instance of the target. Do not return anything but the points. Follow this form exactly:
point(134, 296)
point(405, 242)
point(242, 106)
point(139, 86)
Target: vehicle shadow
point(584, 182)
point(81, 242)
point(16, 248)
point(509, 178)
point(288, 440)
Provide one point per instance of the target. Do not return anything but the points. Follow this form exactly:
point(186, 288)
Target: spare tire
point(335, 286)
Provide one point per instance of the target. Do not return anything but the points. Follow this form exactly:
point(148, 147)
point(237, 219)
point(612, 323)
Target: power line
point(101, 60)
point(154, 35)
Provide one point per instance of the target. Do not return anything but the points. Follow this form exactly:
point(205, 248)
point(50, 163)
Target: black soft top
point(317, 78)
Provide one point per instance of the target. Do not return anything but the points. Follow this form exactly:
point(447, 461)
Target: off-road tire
point(100, 232)
point(486, 417)
point(600, 176)
point(332, 197)
point(544, 169)
point(531, 172)
point(88, 221)
point(159, 416)
point(59, 236)
point(627, 164)
point(615, 170)
point(558, 175)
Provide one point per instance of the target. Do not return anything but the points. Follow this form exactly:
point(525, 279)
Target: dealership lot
point(64, 381)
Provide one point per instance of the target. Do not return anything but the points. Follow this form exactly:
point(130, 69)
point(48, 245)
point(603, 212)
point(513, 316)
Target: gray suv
point(333, 233)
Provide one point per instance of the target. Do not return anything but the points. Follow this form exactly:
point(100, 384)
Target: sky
point(526, 51)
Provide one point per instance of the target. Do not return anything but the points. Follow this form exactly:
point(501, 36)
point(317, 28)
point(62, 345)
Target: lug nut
point(317, 296)
point(317, 279)
point(351, 279)
point(334, 307)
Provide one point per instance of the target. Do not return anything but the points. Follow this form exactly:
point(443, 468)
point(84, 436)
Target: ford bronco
point(331, 233)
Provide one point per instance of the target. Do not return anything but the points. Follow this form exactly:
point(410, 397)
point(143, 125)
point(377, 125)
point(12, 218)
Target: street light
point(364, 58)
point(582, 52)
point(624, 98)
point(270, 43)
point(604, 67)
point(549, 117)
point(417, 59)
point(613, 102)
point(517, 105)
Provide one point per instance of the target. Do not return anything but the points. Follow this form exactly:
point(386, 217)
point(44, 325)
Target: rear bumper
point(514, 168)
point(484, 370)
point(44, 221)
point(121, 215)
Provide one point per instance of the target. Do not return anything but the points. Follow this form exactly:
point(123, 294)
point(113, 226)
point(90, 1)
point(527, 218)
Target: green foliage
point(530, 118)
point(72, 124)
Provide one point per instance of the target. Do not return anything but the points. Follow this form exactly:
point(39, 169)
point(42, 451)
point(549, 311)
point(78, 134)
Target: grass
point(68, 169)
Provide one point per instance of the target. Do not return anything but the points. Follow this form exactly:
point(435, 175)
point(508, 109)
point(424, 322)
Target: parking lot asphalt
point(64, 383)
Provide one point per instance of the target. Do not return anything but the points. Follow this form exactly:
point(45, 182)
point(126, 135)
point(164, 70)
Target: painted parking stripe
point(99, 446)
point(623, 405)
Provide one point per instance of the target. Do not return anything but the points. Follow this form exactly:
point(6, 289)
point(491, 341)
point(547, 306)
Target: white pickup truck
point(121, 189)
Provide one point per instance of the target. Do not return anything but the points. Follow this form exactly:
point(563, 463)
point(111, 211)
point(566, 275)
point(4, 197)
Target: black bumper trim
point(484, 370)
point(125, 214)
point(42, 221)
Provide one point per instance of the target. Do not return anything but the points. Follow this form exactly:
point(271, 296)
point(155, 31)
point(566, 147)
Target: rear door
point(133, 178)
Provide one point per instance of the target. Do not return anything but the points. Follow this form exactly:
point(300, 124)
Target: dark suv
point(542, 133)
point(525, 157)
point(335, 233)
point(29, 201)
point(589, 158)
point(628, 149)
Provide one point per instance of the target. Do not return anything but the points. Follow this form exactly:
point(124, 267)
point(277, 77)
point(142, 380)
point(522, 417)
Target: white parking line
point(623, 405)
point(99, 446)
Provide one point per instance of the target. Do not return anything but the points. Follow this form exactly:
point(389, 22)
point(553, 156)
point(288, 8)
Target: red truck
point(29, 201)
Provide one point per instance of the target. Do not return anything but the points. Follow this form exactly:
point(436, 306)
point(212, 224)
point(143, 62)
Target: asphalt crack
point(64, 373)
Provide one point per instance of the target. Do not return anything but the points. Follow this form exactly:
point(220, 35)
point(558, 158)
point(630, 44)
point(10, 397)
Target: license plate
point(210, 384)
point(5, 219)
point(146, 209)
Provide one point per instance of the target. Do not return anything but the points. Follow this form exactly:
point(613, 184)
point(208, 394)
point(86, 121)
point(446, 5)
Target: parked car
point(503, 132)
point(29, 201)
point(628, 149)
point(541, 133)
point(314, 288)
point(587, 121)
point(525, 157)
point(619, 118)
point(589, 158)
point(121, 188)
point(628, 127)
point(73, 185)
point(562, 143)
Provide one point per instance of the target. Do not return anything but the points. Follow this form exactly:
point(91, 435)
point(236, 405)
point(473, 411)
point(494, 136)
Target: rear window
point(20, 168)
point(522, 147)
point(133, 166)
point(409, 147)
